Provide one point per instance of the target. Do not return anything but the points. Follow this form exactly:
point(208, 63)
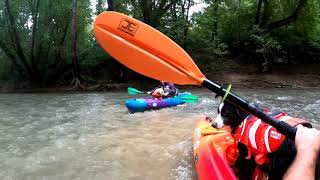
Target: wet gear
point(260, 138)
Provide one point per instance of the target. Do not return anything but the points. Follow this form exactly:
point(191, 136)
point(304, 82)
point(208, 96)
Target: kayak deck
point(140, 105)
point(211, 147)
point(145, 104)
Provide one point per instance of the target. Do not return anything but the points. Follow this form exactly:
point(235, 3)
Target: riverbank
point(238, 80)
point(223, 71)
point(268, 80)
point(241, 75)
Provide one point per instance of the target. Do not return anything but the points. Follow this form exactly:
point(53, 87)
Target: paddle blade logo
point(128, 26)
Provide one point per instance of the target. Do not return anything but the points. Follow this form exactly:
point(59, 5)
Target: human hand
point(307, 140)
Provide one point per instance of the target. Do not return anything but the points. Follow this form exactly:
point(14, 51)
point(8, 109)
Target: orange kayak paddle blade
point(145, 50)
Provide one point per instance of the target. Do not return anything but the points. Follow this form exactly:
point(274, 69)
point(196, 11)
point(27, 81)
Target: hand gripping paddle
point(149, 52)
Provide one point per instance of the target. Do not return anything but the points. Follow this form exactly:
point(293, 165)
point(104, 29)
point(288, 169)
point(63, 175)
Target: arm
point(308, 147)
point(150, 92)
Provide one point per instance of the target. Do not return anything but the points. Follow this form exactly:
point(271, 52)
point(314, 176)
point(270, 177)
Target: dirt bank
point(225, 71)
point(280, 76)
point(267, 80)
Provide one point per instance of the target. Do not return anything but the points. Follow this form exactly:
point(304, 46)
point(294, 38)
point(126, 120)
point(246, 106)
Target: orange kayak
point(214, 152)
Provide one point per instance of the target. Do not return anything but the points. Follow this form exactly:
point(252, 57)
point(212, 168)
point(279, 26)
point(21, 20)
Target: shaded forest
point(51, 43)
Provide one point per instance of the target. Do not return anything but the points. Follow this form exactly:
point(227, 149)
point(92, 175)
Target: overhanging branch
point(293, 17)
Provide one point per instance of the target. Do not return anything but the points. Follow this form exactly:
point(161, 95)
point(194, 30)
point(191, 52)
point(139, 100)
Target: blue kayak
point(145, 104)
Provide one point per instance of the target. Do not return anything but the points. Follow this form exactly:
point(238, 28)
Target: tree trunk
point(239, 20)
point(75, 83)
point(293, 17)
point(257, 19)
point(33, 35)
point(12, 57)
point(266, 14)
point(99, 6)
point(16, 40)
point(174, 13)
point(59, 45)
point(48, 18)
point(110, 5)
point(75, 66)
point(215, 23)
point(146, 12)
point(152, 12)
point(159, 11)
point(186, 26)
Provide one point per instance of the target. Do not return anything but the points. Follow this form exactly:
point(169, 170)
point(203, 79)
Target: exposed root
point(76, 85)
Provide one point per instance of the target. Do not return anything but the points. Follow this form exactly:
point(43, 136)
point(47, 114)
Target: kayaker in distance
point(164, 90)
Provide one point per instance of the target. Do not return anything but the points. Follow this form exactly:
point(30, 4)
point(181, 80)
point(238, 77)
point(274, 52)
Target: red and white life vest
point(261, 138)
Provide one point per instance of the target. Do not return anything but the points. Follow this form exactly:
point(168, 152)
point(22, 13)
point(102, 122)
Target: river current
point(92, 136)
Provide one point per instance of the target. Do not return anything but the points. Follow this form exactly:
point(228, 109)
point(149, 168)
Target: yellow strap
point(209, 130)
point(226, 94)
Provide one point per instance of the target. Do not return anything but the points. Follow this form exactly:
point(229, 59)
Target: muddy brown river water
point(92, 136)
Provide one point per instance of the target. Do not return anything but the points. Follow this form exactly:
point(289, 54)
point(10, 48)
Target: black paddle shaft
point(281, 126)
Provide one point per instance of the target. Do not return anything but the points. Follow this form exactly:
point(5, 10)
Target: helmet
point(163, 82)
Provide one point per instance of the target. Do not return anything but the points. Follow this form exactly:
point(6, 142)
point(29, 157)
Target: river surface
point(92, 136)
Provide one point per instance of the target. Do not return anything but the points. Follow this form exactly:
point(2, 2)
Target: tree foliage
point(36, 35)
